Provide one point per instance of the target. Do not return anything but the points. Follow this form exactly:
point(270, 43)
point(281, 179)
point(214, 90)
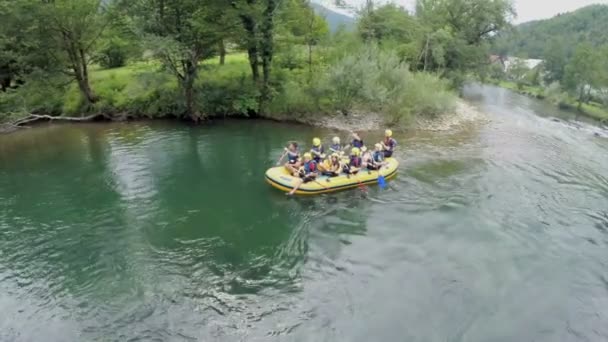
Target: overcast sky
point(526, 9)
point(540, 9)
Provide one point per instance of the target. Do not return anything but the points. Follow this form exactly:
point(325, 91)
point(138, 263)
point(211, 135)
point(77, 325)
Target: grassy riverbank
point(146, 90)
point(563, 101)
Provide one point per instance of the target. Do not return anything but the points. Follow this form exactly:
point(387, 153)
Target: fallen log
point(35, 117)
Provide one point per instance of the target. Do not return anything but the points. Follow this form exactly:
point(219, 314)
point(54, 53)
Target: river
point(156, 231)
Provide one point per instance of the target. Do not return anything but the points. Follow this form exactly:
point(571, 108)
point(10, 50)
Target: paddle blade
point(381, 182)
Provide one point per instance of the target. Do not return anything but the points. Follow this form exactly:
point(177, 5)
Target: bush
point(375, 80)
point(39, 94)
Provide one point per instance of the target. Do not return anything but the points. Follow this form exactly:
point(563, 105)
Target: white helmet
point(336, 140)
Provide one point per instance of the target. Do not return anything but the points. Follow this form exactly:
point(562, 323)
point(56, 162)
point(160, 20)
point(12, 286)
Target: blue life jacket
point(293, 157)
point(309, 167)
point(319, 150)
point(336, 148)
point(357, 143)
point(378, 156)
point(355, 161)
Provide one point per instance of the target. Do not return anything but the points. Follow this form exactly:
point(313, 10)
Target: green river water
point(156, 231)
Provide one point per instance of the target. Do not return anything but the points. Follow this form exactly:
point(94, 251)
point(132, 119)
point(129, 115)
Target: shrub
point(375, 80)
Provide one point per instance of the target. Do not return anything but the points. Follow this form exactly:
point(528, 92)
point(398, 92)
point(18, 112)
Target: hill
point(334, 19)
point(531, 39)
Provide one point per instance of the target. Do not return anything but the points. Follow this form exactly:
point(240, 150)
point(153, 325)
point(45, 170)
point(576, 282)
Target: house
point(530, 63)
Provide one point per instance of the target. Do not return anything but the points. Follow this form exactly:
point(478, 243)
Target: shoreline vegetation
point(84, 60)
point(561, 60)
point(589, 110)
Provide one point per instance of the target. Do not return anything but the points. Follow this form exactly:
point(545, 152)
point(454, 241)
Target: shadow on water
point(124, 219)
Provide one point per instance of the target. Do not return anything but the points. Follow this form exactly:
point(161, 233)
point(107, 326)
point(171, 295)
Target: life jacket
point(355, 161)
point(309, 167)
point(293, 157)
point(335, 148)
point(390, 142)
point(378, 156)
point(357, 143)
point(319, 150)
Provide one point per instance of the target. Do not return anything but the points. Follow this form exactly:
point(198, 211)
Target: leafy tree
point(582, 72)
point(517, 72)
point(388, 22)
point(467, 27)
point(298, 24)
point(17, 48)
point(258, 20)
point(180, 33)
point(70, 30)
point(555, 60)
point(535, 39)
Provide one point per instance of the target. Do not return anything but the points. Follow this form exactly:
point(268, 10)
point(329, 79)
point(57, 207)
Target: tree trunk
point(267, 53)
point(581, 94)
point(222, 48)
point(252, 47)
point(80, 71)
point(190, 71)
point(309, 61)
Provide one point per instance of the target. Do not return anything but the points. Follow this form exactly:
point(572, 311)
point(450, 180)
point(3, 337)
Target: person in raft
point(357, 141)
point(389, 144)
point(354, 163)
point(331, 166)
point(306, 173)
point(293, 158)
point(317, 150)
point(366, 156)
point(335, 147)
point(377, 158)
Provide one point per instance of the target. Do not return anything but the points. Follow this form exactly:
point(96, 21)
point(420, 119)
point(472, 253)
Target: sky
point(541, 9)
point(526, 9)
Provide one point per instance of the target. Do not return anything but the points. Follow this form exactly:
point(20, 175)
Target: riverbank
point(463, 114)
point(563, 102)
point(143, 90)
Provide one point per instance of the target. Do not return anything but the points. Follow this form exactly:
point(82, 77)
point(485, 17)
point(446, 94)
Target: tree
point(388, 22)
point(23, 42)
point(257, 18)
point(555, 59)
point(298, 24)
point(517, 72)
point(69, 32)
point(471, 24)
point(180, 33)
point(582, 72)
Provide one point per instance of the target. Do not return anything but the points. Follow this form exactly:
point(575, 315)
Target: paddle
point(381, 181)
point(282, 156)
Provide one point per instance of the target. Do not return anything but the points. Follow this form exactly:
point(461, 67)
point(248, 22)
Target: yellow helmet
point(336, 140)
point(307, 155)
point(378, 146)
point(316, 142)
point(355, 151)
point(388, 133)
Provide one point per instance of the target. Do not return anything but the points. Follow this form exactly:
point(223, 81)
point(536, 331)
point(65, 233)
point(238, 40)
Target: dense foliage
point(533, 39)
point(573, 48)
point(195, 59)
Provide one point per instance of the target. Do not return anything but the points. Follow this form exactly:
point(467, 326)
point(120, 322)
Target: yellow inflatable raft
point(279, 178)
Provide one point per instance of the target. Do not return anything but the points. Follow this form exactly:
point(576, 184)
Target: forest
point(573, 48)
point(195, 60)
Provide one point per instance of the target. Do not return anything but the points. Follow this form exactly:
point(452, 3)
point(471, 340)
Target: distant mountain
point(569, 29)
point(334, 19)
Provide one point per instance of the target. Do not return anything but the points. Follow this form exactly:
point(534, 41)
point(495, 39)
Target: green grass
point(591, 110)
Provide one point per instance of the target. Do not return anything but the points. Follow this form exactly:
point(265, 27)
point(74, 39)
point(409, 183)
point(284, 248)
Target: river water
point(162, 232)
